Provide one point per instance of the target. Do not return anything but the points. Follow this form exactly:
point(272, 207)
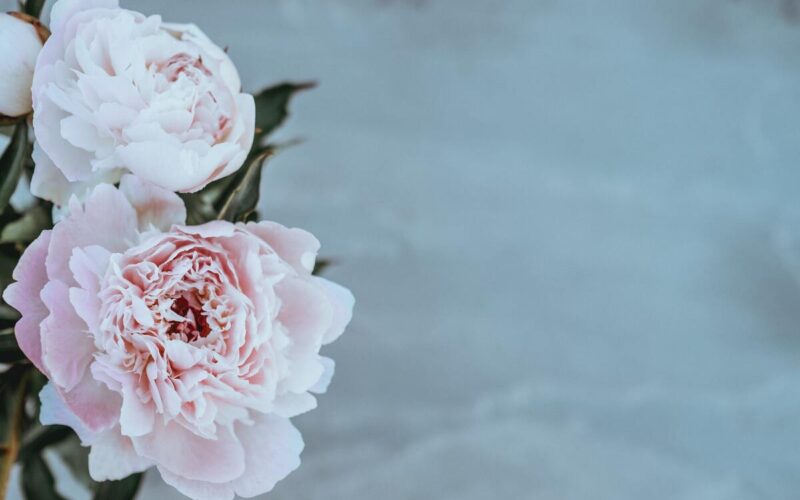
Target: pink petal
point(198, 490)
point(54, 411)
point(155, 206)
point(213, 229)
point(325, 380)
point(88, 265)
point(107, 220)
point(67, 347)
point(272, 448)
point(343, 301)
point(93, 403)
point(188, 455)
point(296, 246)
point(307, 314)
point(136, 418)
point(305, 311)
point(31, 277)
point(113, 457)
point(291, 404)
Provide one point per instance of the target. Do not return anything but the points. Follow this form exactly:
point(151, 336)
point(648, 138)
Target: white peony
point(116, 91)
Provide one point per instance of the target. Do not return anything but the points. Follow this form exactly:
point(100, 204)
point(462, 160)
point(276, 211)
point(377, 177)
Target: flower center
point(194, 325)
point(184, 64)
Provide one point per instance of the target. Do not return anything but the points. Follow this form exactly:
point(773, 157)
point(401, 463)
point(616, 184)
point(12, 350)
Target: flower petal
point(272, 452)
point(343, 301)
point(67, 347)
point(188, 455)
point(63, 10)
point(107, 219)
point(54, 411)
point(155, 206)
point(296, 246)
point(93, 403)
point(113, 457)
point(31, 276)
point(198, 490)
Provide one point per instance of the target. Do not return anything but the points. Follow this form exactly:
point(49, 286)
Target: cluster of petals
point(115, 92)
point(187, 348)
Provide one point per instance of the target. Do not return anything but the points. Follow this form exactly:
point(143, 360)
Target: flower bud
point(21, 39)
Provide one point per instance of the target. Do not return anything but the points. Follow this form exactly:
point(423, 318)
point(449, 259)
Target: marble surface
point(573, 230)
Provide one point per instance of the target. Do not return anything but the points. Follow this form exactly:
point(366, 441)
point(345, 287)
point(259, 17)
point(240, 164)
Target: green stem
point(10, 448)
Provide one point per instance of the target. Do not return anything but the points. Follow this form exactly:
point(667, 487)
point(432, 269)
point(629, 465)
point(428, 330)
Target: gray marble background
point(573, 231)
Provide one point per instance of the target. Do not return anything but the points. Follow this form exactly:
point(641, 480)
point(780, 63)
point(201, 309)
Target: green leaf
point(28, 227)
point(37, 480)
point(12, 163)
point(272, 106)
point(8, 313)
point(76, 457)
point(9, 349)
point(34, 7)
point(41, 438)
point(321, 265)
point(199, 207)
point(124, 489)
point(240, 199)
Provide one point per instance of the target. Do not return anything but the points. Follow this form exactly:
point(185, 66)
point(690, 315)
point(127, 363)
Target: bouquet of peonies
point(149, 316)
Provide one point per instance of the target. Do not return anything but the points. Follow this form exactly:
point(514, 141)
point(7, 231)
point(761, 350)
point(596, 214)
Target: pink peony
point(115, 91)
point(187, 348)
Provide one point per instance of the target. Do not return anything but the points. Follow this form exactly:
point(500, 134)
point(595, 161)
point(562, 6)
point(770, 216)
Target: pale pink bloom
point(115, 91)
point(20, 43)
point(187, 348)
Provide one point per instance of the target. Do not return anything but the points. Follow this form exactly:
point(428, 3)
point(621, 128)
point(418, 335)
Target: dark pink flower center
point(195, 325)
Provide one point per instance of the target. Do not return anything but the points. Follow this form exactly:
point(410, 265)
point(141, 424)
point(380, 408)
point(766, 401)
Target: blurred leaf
point(12, 162)
point(321, 265)
point(41, 438)
point(37, 480)
point(28, 227)
point(240, 199)
point(77, 459)
point(8, 313)
point(272, 106)
point(7, 123)
point(9, 349)
point(124, 489)
point(34, 7)
point(199, 207)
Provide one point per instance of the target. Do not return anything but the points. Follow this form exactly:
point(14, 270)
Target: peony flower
point(187, 348)
point(116, 91)
point(21, 39)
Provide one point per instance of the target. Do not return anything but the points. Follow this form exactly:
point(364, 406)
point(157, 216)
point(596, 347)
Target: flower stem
point(9, 449)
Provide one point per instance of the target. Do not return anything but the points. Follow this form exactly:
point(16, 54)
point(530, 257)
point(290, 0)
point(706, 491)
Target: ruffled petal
point(67, 347)
point(342, 301)
point(113, 457)
point(176, 449)
point(272, 452)
point(155, 206)
point(31, 277)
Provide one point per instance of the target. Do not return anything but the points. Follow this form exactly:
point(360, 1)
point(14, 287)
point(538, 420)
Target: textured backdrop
point(572, 230)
